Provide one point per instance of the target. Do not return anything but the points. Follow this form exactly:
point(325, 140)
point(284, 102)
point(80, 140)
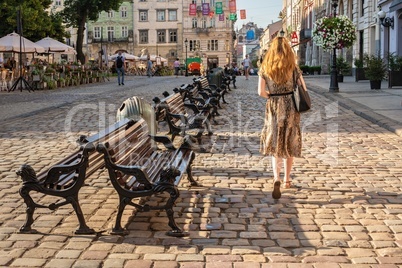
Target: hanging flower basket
point(334, 32)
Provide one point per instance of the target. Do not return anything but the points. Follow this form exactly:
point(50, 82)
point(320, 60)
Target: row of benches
point(137, 163)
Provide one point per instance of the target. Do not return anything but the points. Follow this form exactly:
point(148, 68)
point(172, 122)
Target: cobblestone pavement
point(345, 209)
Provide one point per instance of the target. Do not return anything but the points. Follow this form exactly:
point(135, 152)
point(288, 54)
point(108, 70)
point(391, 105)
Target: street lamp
point(385, 21)
point(185, 64)
point(333, 87)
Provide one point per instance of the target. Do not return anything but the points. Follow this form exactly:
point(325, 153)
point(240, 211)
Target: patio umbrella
point(152, 58)
point(126, 55)
point(14, 43)
point(53, 46)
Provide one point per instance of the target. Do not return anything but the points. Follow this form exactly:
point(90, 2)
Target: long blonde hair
point(279, 61)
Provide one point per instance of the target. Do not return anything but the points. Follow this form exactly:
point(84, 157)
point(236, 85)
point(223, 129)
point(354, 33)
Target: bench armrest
point(181, 117)
point(163, 139)
point(193, 107)
point(136, 171)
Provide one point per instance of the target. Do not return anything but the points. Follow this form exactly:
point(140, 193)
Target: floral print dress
point(281, 135)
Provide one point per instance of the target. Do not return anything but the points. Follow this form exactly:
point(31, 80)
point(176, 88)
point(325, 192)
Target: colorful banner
point(211, 14)
point(219, 8)
point(233, 16)
point(232, 6)
point(221, 17)
point(242, 14)
point(205, 9)
point(193, 10)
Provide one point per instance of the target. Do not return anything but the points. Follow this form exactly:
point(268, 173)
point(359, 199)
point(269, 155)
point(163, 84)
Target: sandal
point(288, 184)
point(276, 193)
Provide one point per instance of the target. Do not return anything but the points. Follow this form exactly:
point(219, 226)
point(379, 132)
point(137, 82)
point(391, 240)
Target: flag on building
point(221, 17)
point(232, 6)
point(205, 9)
point(242, 14)
point(218, 8)
point(193, 10)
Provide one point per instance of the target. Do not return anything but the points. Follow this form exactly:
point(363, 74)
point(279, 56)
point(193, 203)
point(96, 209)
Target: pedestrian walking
point(120, 59)
point(281, 136)
point(176, 65)
point(246, 66)
point(149, 67)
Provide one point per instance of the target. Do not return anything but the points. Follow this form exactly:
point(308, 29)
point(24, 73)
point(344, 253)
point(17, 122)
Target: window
point(161, 36)
point(161, 1)
point(97, 32)
point(143, 0)
point(143, 15)
point(110, 33)
point(212, 3)
point(194, 45)
point(123, 12)
point(124, 31)
point(143, 36)
point(212, 22)
point(110, 14)
point(212, 45)
point(172, 15)
point(172, 36)
point(193, 1)
point(194, 23)
point(57, 3)
point(160, 15)
point(362, 8)
point(203, 23)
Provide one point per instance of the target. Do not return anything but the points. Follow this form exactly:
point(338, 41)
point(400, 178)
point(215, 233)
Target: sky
point(261, 12)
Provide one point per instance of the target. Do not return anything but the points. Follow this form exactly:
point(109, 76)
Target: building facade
point(209, 35)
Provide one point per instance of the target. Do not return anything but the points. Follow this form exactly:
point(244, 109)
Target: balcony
point(114, 40)
point(202, 30)
point(305, 34)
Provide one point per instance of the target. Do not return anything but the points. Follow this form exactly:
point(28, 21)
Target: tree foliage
point(77, 12)
point(37, 22)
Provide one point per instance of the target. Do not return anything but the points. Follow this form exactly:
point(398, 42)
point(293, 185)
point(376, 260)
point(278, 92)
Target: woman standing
point(281, 136)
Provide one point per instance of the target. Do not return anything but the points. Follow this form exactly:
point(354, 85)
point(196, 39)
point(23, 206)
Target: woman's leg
point(276, 167)
point(288, 170)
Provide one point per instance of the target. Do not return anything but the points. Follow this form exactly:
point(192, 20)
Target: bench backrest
point(135, 148)
point(173, 104)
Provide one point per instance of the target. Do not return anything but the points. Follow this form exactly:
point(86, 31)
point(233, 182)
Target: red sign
point(232, 6)
point(242, 14)
point(193, 10)
point(295, 38)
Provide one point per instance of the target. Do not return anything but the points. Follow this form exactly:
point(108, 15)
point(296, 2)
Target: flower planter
point(375, 84)
point(394, 78)
point(340, 78)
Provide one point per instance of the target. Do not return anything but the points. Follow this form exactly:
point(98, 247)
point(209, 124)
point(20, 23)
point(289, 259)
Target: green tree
point(37, 22)
point(77, 12)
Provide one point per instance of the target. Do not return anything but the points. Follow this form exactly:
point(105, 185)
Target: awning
point(395, 5)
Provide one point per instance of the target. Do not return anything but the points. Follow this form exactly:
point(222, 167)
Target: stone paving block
point(138, 264)
point(28, 262)
point(59, 263)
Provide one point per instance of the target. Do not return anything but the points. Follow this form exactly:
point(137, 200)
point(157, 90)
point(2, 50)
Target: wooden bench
point(65, 178)
point(214, 91)
point(137, 169)
point(202, 99)
point(173, 110)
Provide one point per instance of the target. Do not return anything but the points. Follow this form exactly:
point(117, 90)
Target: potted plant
point(359, 69)
point(342, 67)
point(394, 70)
point(375, 71)
point(35, 75)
